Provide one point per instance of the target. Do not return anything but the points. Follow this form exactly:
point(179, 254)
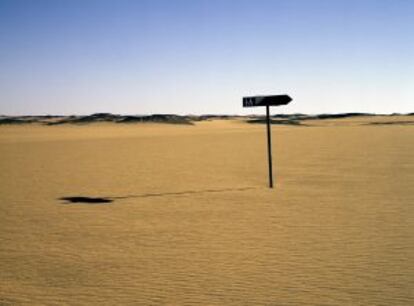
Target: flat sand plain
point(192, 221)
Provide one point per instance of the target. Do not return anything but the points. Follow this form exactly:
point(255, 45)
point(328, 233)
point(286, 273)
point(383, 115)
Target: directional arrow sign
point(266, 100)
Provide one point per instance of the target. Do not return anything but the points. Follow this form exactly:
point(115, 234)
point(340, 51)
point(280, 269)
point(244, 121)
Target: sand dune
point(189, 220)
point(290, 119)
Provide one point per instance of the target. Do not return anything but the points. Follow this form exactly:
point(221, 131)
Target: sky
point(202, 56)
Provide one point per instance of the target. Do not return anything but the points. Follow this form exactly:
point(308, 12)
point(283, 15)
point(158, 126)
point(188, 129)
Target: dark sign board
point(266, 100)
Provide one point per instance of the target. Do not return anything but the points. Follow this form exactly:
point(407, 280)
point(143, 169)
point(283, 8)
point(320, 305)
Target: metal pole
point(269, 146)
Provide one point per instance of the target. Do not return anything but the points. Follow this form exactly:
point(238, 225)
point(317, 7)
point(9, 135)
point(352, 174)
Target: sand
point(192, 222)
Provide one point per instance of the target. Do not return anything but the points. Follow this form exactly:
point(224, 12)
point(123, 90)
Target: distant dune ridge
point(289, 119)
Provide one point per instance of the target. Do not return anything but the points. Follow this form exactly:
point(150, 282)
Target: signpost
point(267, 101)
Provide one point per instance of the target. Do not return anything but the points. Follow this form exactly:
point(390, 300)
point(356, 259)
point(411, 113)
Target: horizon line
point(206, 114)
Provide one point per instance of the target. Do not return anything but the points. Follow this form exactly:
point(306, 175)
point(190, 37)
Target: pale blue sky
point(195, 56)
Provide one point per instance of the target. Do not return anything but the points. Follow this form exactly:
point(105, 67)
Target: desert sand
point(192, 221)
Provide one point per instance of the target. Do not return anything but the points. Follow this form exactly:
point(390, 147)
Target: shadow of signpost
point(107, 200)
point(85, 200)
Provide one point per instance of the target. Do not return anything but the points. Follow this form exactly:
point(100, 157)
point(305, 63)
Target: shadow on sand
point(106, 200)
point(85, 200)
